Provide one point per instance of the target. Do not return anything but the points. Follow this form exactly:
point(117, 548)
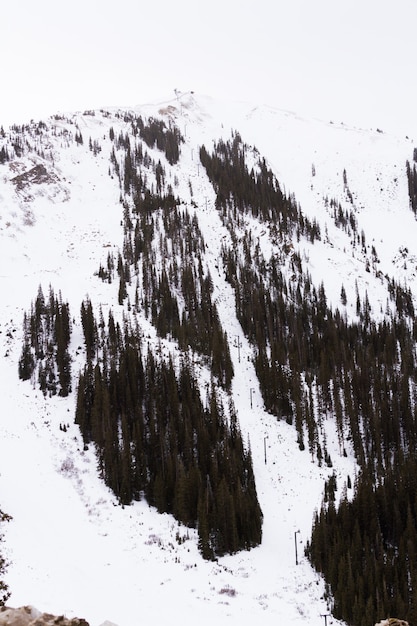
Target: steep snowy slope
point(309, 158)
point(72, 549)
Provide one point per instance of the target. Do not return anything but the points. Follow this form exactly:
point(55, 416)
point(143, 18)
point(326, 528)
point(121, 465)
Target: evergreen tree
point(26, 361)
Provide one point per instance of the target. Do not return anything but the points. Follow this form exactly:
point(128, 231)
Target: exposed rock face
point(37, 175)
point(38, 182)
point(29, 616)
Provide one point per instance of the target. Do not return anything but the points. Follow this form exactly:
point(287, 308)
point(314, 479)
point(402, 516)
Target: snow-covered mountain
point(72, 548)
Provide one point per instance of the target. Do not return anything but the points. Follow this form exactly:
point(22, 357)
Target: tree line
point(254, 191)
point(163, 253)
point(366, 548)
point(45, 354)
point(156, 438)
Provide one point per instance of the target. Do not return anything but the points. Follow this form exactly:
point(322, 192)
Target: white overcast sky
point(348, 60)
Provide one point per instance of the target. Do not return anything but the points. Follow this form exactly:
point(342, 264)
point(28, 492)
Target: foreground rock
point(29, 616)
point(392, 621)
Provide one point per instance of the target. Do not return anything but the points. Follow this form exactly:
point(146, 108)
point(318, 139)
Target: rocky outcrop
point(29, 616)
point(35, 176)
